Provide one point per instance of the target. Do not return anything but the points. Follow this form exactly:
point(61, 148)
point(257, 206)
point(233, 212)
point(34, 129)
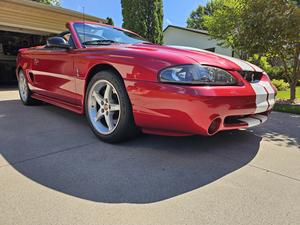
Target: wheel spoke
point(99, 115)
point(114, 107)
point(97, 97)
point(109, 121)
point(108, 93)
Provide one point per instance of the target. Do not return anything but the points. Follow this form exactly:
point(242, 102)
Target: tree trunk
point(292, 92)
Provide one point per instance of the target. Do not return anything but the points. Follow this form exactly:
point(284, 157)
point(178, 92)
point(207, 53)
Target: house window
point(210, 49)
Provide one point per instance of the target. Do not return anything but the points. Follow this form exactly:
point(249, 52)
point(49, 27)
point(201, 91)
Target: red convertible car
point(124, 84)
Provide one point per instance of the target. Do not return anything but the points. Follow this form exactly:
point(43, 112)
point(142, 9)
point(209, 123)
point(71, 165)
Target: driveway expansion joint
point(49, 154)
point(260, 168)
point(273, 172)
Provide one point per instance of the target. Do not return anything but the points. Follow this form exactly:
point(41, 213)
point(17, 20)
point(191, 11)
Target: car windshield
point(94, 34)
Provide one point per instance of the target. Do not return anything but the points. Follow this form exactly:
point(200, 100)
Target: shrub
point(274, 72)
point(281, 85)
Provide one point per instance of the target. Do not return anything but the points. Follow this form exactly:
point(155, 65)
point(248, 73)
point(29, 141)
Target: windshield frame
point(79, 42)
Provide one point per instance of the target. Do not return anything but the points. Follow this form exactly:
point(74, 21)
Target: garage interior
point(10, 43)
point(25, 23)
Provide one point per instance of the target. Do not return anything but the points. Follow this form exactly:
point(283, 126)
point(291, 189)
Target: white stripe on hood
point(245, 66)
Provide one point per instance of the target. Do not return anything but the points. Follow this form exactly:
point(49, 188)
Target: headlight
point(196, 74)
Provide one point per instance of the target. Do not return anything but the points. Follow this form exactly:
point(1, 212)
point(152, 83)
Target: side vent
point(31, 76)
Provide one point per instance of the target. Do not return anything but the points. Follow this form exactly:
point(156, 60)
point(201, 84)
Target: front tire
point(108, 108)
point(24, 91)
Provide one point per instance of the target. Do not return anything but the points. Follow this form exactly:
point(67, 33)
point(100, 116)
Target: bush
point(281, 85)
point(274, 72)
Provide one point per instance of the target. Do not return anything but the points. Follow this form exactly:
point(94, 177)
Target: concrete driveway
point(54, 171)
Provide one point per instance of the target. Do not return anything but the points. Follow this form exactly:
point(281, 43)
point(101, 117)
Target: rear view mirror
point(57, 42)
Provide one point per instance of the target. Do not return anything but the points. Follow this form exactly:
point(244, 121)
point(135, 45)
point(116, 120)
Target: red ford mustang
point(125, 84)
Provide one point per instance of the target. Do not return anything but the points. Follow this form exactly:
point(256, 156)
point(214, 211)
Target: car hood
point(174, 55)
point(198, 55)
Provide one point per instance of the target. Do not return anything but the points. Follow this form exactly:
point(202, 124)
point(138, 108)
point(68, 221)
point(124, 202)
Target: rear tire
point(24, 91)
point(108, 108)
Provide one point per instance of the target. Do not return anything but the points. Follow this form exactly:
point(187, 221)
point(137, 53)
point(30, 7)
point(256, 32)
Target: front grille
point(250, 76)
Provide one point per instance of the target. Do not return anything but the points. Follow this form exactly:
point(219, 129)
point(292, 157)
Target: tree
point(297, 2)
point(144, 18)
point(49, 2)
point(110, 21)
point(196, 18)
point(253, 27)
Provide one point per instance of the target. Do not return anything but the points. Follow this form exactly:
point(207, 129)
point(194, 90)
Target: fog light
point(214, 126)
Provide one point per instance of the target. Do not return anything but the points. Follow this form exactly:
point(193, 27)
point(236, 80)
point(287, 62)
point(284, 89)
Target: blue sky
point(175, 11)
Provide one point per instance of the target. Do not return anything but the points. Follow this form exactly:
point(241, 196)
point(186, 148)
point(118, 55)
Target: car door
point(53, 73)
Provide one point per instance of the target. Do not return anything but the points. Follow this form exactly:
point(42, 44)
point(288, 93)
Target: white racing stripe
point(243, 64)
point(252, 122)
point(262, 118)
point(271, 92)
point(261, 98)
point(256, 68)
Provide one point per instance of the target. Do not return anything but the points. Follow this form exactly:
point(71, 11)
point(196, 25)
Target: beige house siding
point(184, 37)
point(24, 23)
point(32, 17)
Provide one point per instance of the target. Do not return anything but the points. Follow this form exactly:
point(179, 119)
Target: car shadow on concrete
point(282, 129)
point(56, 148)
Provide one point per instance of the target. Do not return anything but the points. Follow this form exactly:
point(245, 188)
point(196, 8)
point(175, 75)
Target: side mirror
point(57, 42)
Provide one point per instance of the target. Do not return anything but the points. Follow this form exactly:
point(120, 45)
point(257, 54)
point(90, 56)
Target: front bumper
point(186, 110)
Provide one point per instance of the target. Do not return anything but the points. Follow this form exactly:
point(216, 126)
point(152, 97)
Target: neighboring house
point(25, 23)
point(181, 36)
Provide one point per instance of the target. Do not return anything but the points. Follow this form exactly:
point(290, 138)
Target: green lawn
point(287, 107)
point(286, 94)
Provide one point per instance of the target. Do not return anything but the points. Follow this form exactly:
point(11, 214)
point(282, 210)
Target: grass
point(286, 94)
point(289, 108)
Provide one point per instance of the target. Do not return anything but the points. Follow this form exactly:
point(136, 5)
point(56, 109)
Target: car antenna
point(83, 19)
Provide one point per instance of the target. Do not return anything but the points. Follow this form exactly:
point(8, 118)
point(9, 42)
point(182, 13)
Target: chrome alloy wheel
point(23, 88)
point(104, 107)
